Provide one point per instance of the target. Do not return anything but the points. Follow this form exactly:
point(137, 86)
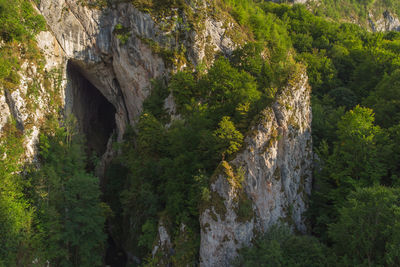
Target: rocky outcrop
point(378, 19)
point(30, 102)
point(386, 22)
point(267, 183)
point(114, 50)
point(162, 248)
point(118, 51)
point(4, 110)
point(120, 71)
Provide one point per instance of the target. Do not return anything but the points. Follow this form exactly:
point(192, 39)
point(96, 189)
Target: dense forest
point(356, 10)
point(53, 210)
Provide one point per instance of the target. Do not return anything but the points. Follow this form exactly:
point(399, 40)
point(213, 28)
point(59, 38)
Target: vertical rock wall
point(267, 183)
point(275, 164)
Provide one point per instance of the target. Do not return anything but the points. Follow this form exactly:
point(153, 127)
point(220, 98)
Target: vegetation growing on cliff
point(52, 213)
point(52, 210)
point(169, 167)
point(19, 24)
point(357, 11)
point(353, 76)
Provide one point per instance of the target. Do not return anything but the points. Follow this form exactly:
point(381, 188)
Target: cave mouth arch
point(94, 113)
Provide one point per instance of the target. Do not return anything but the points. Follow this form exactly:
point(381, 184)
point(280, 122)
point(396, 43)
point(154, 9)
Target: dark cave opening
point(115, 256)
point(96, 121)
point(94, 113)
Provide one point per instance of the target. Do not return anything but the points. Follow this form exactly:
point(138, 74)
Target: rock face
point(112, 50)
point(386, 22)
point(29, 103)
point(377, 21)
point(275, 175)
point(105, 61)
point(120, 71)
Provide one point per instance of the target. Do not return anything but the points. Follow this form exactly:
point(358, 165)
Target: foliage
point(229, 138)
point(16, 213)
point(385, 100)
point(19, 20)
point(347, 66)
point(53, 211)
point(279, 247)
point(358, 10)
point(169, 166)
point(122, 33)
point(70, 216)
point(355, 161)
point(367, 233)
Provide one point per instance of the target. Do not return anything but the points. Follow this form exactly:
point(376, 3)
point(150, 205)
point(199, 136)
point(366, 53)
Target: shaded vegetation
point(52, 211)
point(279, 247)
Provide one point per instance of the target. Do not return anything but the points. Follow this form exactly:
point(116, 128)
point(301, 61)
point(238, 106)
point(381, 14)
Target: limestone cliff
point(102, 62)
point(387, 21)
point(113, 49)
point(267, 183)
point(38, 94)
point(116, 50)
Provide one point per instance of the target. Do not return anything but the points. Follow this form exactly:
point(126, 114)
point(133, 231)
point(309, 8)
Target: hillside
point(198, 133)
point(374, 15)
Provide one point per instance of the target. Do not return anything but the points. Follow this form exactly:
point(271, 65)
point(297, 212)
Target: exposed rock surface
point(386, 22)
point(121, 64)
point(376, 21)
point(163, 245)
point(4, 110)
point(121, 70)
point(120, 67)
point(276, 165)
point(28, 104)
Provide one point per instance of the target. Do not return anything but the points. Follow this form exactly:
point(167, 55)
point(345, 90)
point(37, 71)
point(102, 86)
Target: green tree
point(354, 162)
point(227, 87)
point(70, 220)
point(183, 87)
point(321, 71)
point(250, 58)
point(230, 139)
point(279, 247)
point(368, 230)
point(385, 100)
point(16, 213)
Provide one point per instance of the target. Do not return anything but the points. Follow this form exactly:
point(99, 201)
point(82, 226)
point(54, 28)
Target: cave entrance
point(94, 113)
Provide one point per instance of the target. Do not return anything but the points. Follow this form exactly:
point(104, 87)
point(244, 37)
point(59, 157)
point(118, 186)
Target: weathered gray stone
point(122, 72)
point(386, 22)
point(276, 163)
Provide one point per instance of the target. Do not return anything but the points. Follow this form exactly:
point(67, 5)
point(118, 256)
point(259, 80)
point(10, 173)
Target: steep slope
point(268, 183)
point(102, 62)
point(375, 15)
point(120, 50)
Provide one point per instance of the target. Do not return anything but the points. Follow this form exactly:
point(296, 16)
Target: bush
point(279, 247)
point(368, 230)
